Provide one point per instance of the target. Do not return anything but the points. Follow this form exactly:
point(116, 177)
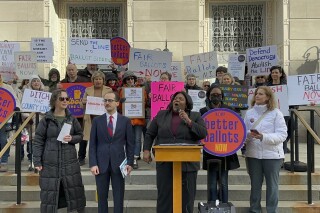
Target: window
point(236, 27)
point(100, 22)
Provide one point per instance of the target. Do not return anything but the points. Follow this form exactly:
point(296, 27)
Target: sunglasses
point(260, 77)
point(108, 100)
point(130, 78)
point(64, 98)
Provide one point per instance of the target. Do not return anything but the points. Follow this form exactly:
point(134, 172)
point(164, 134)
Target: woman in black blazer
point(215, 97)
point(177, 124)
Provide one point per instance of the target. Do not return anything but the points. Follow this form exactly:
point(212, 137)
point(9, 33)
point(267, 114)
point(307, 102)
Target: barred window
point(234, 28)
point(100, 22)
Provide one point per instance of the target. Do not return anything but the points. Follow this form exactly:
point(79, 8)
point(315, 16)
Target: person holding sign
point(176, 125)
point(72, 75)
point(111, 144)
point(130, 80)
point(276, 77)
point(220, 71)
point(266, 131)
point(97, 90)
point(215, 96)
point(191, 83)
point(60, 174)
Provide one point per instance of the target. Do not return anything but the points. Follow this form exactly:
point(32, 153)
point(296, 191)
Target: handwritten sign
point(7, 66)
point(43, 47)
point(261, 59)
point(35, 101)
point(176, 71)
point(26, 64)
point(199, 99)
point(161, 95)
point(149, 62)
point(202, 65)
point(75, 93)
point(304, 89)
point(90, 51)
point(120, 50)
point(95, 106)
point(281, 96)
point(235, 96)
point(7, 104)
point(226, 132)
point(236, 65)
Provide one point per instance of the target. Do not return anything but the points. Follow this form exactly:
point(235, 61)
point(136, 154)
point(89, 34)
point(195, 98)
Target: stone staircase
point(141, 193)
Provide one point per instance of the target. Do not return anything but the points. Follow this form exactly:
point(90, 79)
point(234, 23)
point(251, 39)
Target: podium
point(177, 154)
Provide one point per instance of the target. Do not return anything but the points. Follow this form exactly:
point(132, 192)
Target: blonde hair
point(271, 103)
point(97, 74)
point(229, 75)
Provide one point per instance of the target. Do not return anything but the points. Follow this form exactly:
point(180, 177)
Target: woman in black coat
point(177, 124)
point(215, 97)
point(60, 175)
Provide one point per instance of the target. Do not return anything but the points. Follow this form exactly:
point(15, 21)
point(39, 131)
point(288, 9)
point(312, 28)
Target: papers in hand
point(123, 168)
point(64, 132)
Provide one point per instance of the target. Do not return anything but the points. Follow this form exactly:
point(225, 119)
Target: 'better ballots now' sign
point(90, 51)
point(226, 132)
point(7, 104)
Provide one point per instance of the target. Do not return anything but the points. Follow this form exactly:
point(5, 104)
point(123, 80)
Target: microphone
point(179, 110)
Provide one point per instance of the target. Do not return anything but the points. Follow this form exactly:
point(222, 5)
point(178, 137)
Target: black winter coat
point(227, 163)
point(59, 165)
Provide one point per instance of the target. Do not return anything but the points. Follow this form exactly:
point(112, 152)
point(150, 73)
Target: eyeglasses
point(260, 77)
point(64, 98)
point(108, 100)
point(130, 78)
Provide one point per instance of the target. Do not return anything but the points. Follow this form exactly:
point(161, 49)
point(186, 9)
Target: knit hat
point(35, 77)
point(111, 76)
point(129, 74)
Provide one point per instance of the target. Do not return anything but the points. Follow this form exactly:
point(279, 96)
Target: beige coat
point(86, 119)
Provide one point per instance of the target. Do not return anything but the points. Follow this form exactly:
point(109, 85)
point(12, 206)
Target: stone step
point(147, 206)
point(143, 177)
point(149, 192)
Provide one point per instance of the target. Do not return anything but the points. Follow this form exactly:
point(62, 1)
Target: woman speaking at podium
point(176, 125)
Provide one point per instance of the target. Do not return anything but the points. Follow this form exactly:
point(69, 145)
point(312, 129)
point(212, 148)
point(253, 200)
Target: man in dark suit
point(111, 141)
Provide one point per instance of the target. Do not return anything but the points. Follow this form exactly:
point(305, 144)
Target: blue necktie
point(110, 126)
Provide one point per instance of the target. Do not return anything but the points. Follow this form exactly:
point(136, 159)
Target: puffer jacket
point(60, 164)
point(274, 130)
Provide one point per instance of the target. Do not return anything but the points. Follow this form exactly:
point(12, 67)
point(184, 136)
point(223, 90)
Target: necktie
point(110, 126)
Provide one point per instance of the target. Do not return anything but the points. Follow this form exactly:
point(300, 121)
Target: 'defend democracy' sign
point(226, 132)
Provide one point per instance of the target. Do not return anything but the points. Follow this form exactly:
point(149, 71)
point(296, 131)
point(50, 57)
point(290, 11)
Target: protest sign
point(134, 110)
point(161, 93)
point(235, 96)
point(90, 51)
point(120, 50)
point(176, 71)
point(43, 47)
point(95, 106)
point(281, 97)
point(7, 104)
point(7, 66)
point(25, 64)
point(199, 99)
point(226, 132)
point(133, 94)
point(35, 101)
point(149, 62)
point(236, 65)
point(202, 65)
point(261, 59)
point(75, 93)
point(304, 89)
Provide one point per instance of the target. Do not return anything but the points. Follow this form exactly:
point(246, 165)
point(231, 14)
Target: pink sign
point(161, 93)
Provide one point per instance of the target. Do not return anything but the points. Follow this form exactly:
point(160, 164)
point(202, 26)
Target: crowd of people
point(126, 138)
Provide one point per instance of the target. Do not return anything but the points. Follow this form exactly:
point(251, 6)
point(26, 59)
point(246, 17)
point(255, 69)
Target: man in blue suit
point(111, 141)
